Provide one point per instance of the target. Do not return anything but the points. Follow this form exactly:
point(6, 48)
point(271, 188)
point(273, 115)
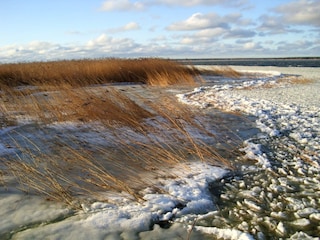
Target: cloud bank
point(126, 5)
point(290, 29)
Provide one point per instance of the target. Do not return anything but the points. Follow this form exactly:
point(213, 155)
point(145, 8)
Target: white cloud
point(212, 32)
point(126, 5)
point(203, 36)
point(188, 40)
point(159, 38)
point(33, 51)
point(131, 26)
point(290, 16)
point(210, 27)
point(39, 45)
point(203, 43)
point(249, 45)
point(301, 12)
point(100, 40)
point(121, 5)
point(191, 3)
point(211, 35)
point(128, 27)
point(102, 46)
point(271, 25)
point(200, 21)
point(303, 47)
point(105, 45)
point(240, 33)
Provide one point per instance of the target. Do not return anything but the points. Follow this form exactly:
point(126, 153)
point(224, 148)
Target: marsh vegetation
point(76, 134)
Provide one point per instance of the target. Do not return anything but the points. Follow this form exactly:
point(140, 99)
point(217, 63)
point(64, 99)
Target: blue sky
point(37, 30)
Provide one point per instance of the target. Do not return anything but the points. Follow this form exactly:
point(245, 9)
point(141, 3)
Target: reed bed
point(66, 166)
point(133, 139)
point(77, 73)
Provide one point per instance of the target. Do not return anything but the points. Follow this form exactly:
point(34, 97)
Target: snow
point(19, 212)
point(188, 194)
point(253, 152)
point(231, 234)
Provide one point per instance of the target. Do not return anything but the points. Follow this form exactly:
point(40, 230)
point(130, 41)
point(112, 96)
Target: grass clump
point(115, 138)
point(77, 73)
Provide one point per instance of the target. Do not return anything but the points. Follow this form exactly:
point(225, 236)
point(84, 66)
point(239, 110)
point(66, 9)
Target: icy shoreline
point(122, 218)
point(287, 149)
point(277, 194)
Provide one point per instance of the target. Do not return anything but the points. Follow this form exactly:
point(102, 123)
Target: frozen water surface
point(267, 198)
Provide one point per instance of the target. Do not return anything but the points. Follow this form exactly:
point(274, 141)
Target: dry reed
point(100, 71)
point(143, 137)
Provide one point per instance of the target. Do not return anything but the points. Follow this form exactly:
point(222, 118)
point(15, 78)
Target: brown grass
point(146, 138)
point(88, 72)
point(143, 142)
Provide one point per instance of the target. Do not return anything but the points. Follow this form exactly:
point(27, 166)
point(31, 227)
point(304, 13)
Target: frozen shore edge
point(288, 117)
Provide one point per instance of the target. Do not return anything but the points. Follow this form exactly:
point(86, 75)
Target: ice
point(289, 143)
point(306, 212)
point(220, 233)
point(302, 235)
point(130, 218)
point(315, 217)
point(252, 205)
point(187, 194)
point(281, 229)
point(301, 223)
point(23, 211)
point(253, 152)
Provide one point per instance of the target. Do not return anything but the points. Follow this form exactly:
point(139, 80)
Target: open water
point(278, 62)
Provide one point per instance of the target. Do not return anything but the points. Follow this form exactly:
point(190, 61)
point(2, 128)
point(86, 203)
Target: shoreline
point(275, 196)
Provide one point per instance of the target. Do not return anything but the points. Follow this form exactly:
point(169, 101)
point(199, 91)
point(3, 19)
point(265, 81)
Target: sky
point(44, 30)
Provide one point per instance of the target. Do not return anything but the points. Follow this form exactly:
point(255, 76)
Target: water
point(278, 62)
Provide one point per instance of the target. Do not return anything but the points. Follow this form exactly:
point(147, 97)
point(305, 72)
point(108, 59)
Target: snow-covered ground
point(274, 195)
